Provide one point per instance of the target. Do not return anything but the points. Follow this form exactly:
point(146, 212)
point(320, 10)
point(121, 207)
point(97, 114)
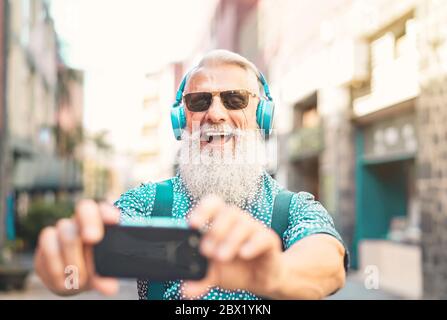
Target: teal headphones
point(264, 111)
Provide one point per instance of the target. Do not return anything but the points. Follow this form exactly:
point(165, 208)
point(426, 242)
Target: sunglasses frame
point(215, 93)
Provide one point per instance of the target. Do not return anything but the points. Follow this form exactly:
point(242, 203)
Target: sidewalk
point(355, 290)
point(35, 290)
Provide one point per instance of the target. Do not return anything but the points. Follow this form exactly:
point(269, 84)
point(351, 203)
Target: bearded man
point(222, 187)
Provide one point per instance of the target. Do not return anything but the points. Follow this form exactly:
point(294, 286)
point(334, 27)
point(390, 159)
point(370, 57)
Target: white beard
point(231, 174)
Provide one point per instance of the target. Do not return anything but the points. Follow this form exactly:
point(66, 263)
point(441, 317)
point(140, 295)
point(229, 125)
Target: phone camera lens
point(194, 268)
point(193, 241)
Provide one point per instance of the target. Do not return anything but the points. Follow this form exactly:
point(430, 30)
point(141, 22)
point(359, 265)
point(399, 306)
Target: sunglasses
point(231, 99)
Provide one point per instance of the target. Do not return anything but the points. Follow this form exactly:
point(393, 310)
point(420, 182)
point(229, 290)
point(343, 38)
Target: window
point(310, 118)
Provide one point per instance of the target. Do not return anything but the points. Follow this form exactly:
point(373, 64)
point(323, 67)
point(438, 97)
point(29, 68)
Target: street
point(35, 290)
point(354, 290)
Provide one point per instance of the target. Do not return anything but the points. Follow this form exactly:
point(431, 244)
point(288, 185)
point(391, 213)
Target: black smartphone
point(148, 252)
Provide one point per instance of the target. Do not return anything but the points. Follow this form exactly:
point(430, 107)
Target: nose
point(217, 113)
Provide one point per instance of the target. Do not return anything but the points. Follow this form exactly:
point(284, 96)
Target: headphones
point(264, 110)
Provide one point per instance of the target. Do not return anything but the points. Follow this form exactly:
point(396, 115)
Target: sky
point(116, 42)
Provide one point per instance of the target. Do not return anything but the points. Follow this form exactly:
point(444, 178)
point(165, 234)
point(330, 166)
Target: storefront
point(387, 211)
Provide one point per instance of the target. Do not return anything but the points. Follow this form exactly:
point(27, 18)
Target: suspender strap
point(162, 208)
point(280, 215)
point(163, 199)
point(155, 290)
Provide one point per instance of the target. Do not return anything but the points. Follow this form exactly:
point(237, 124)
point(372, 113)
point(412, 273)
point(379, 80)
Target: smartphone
point(158, 252)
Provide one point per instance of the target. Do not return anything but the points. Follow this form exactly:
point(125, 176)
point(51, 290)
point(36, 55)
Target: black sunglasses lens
point(235, 100)
point(198, 102)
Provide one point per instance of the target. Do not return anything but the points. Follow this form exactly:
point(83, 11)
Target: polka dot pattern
point(306, 217)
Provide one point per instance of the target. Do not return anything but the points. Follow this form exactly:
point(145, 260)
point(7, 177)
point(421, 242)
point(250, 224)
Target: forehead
point(221, 77)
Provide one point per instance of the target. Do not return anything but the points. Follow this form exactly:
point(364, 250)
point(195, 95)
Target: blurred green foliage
point(40, 215)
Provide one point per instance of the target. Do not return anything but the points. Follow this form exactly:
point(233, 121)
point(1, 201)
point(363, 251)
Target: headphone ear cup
point(178, 121)
point(264, 116)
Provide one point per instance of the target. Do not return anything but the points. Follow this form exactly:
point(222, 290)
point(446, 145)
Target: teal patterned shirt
point(306, 217)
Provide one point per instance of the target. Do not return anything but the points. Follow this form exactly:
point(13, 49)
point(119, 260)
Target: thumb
point(106, 286)
point(193, 288)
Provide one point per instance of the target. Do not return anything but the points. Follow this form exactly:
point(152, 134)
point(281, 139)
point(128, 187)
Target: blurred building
point(36, 103)
point(157, 147)
point(69, 133)
point(97, 167)
point(3, 121)
point(232, 25)
point(70, 106)
point(235, 27)
point(431, 159)
point(360, 89)
point(383, 108)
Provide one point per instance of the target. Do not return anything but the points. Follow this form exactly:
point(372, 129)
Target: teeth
point(218, 134)
point(210, 136)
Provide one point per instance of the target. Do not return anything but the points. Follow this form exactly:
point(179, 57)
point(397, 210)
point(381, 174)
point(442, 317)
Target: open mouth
point(216, 138)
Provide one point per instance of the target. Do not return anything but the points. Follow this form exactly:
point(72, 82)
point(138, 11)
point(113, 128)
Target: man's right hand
point(66, 250)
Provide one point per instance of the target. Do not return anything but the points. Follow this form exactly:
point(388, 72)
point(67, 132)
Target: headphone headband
point(181, 89)
point(265, 86)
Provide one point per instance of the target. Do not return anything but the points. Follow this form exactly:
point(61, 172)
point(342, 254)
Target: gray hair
point(221, 56)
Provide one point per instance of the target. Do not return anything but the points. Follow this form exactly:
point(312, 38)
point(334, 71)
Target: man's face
point(221, 78)
point(229, 165)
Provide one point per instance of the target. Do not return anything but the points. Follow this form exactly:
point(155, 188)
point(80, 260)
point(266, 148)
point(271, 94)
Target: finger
point(107, 286)
point(261, 242)
point(229, 247)
point(71, 249)
point(222, 225)
point(39, 266)
point(52, 263)
point(194, 289)
point(90, 221)
point(109, 213)
point(205, 211)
